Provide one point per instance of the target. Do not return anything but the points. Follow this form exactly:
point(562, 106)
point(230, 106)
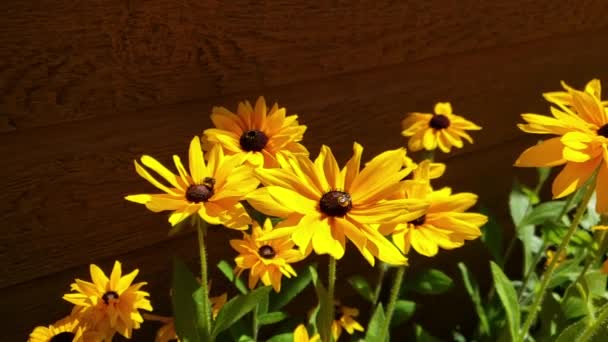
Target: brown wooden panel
point(63, 185)
point(69, 60)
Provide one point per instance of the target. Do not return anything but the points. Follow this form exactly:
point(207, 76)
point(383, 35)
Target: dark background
point(88, 86)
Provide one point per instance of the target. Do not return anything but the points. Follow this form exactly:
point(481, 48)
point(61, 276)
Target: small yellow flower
point(344, 320)
point(109, 305)
point(324, 206)
point(217, 303)
point(445, 223)
point(212, 190)
point(67, 329)
point(442, 129)
point(301, 335)
point(258, 134)
point(551, 254)
point(580, 122)
point(267, 260)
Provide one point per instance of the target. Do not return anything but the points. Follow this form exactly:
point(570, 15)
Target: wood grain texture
point(75, 59)
point(64, 184)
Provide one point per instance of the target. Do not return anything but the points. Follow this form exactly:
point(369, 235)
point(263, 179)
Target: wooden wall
point(88, 86)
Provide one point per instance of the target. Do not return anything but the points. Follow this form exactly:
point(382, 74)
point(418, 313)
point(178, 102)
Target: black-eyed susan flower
point(442, 129)
point(324, 206)
point(344, 320)
point(211, 189)
point(257, 133)
point(68, 329)
point(580, 121)
point(301, 335)
point(109, 305)
point(267, 261)
point(445, 223)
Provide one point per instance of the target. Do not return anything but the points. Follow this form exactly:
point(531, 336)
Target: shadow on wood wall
point(88, 86)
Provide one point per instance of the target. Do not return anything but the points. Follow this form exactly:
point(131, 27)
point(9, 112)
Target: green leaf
point(473, 290)
point(271, 317)
point(532, 195)
point(543, 212)
point(404, 310)
point(519, 203)
point(228, 272)
point(287, 337)
point(375, 325)
point(237, 307)
point(423, 336)
point(322, 324)
point(492, 236)
point(362, 287)
point(431, 281)
point(508, 297)
point(531, 244)
point(572, 332)
point(290, 288)
point(184, 285)
point(551, 318)
point(543, 174)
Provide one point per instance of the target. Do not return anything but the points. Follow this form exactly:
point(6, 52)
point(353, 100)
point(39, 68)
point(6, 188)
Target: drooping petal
point(572, 177)
point(547, 153)
point(602, 190)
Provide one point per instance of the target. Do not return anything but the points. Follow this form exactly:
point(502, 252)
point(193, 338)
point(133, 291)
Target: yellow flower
point(344, 320)
point(217, 303)
point(445, 224)
point(323, 205)
point(265, 260)
point(551, 254)
point(256, 133)
point(109, 305)
point(301, 335)
point(442, 129)
point(67, 329)
point(580, 121)
point(212, 189)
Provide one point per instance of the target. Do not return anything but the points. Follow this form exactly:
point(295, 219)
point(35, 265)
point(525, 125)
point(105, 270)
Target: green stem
point(552, 265)
point(390, 308)
point(530, 271)
point(593, 327)
point(331, 284)
point(256, 326)
point(378, 288)
point(204, 278)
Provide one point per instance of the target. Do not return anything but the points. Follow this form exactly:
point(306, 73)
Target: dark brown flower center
point(253, 140)
point(419, 221)
point(110, 295)
point(335, 203)
point(337, 312)
point(603, 131)
point(439, 121)
point(266, 252)
point(65, 336)
point(201, 192)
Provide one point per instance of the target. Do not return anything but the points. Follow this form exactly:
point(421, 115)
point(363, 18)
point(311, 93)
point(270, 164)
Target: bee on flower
point(442, 129)
point(211, 189)
point(258, 134)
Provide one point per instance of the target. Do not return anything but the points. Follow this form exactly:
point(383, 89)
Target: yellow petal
point(377, 172)
point(292, 200)
point(576, 140)
point(331, 169)
point(444, 108)
point(259, 114)
point(415, 142)
point(99, 278)
point(602, 190)
point(423, 243)
point(300, 334)
point(588, 107)
point(125, 282)
point(158, 202)
point(145, 175)
point(382, 248)
point(153, 164)
point(429, 139)
point(183, 213)
point(547, 153)
point(322, 240)
point(186, 179)
point(352, 166)
point(196, 162)
point(225, 120)
point(572, 177)
point(261, 200)
point(571, 155)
